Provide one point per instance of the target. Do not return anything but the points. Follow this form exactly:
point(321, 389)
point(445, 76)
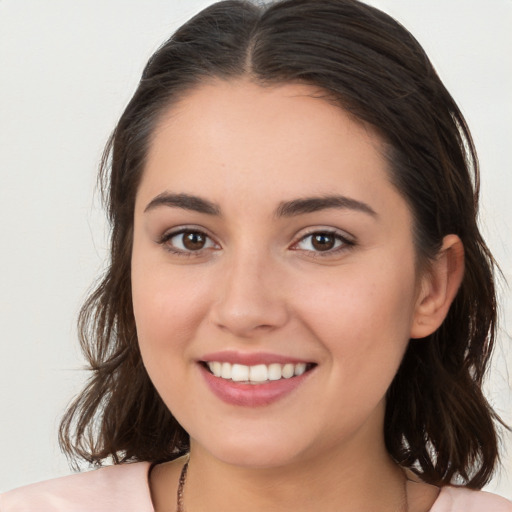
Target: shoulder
point(460, 499)
point(123, 487)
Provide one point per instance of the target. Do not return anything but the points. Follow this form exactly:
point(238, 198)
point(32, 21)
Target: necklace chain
point(403, 507)
point(181, 487)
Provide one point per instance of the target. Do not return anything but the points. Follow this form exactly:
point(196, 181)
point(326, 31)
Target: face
point(273, 273)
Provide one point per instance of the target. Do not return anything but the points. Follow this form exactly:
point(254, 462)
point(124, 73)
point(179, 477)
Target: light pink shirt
point(124, 488)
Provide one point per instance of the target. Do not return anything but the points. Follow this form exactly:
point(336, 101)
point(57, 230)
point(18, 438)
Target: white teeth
point(226, 371)
point(256, 374)
point(300, 368)
point(274, 371)
point(215, 368)
point(288, 371)
point(239, 373)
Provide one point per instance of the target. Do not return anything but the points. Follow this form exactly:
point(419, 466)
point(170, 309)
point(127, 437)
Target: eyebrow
point(285, 209)
point(314, 204)
point(184, 201)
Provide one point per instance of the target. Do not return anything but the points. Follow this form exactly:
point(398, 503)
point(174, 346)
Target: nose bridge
point(251, 297)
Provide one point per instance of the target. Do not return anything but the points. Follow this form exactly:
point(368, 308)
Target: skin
point(259, 285)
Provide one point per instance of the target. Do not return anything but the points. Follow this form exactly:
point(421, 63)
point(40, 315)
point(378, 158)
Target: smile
point(253, 380)
point(256, 374)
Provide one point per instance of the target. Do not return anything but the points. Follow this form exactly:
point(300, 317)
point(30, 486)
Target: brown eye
point(193, 241)
point(323, 241)
point(188, 241)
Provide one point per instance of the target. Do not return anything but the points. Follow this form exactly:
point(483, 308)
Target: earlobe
point(439, 287)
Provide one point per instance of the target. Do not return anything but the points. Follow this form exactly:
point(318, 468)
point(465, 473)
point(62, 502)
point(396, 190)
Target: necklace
point(403, 507)
point(181, 487)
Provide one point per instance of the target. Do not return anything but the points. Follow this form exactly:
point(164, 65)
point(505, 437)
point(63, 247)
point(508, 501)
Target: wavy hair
point(438, 422)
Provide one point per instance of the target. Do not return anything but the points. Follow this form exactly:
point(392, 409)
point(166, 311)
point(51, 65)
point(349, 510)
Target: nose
point(250, 299)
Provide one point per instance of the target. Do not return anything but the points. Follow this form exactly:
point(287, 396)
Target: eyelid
point(178, 230)
point(348, 240)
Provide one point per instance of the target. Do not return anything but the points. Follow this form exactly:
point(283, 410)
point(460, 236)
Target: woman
point(300, 307)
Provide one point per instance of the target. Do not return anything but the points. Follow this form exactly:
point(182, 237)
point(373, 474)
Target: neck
point(340, 481)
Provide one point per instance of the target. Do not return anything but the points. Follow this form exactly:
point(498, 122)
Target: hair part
point(438, 422)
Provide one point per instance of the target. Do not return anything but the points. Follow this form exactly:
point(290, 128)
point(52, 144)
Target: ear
point(438, 287)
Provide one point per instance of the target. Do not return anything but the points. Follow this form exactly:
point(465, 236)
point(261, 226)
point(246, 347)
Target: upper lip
point(251, 358)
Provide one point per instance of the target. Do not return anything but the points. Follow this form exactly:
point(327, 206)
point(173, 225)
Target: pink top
point(125, 488)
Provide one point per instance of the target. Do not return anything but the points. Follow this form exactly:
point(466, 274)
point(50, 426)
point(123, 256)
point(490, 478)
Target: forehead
point(261, 112)
point(239, 139)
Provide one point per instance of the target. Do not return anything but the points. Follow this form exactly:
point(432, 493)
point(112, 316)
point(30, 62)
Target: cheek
point(363, 312)
point(168, 305)
point(167, 313)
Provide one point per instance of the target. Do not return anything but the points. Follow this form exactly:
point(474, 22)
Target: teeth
point(274, 371)
point(225, 371)
point(288, 371)
point(300, 368)
point(216, 368)
point(239, 373)
point(256, 374)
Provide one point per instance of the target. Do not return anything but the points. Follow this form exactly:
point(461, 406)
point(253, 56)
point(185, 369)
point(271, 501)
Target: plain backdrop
point(67, 69)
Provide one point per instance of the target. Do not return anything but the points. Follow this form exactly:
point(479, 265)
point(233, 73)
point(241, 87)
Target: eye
point(323, 242)
point(187, 241)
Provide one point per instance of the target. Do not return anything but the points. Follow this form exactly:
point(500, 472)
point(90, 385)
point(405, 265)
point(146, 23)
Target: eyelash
point(345, 243)
point(166, 238)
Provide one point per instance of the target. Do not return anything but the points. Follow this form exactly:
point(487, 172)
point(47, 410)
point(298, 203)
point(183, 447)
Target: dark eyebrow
point(314, 204)
point(285, 209)
point(185, 201)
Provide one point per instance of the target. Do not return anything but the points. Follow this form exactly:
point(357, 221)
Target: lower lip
point(252, 395)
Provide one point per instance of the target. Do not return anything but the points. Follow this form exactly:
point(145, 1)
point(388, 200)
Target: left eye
point(321, 242)
point(189, 241)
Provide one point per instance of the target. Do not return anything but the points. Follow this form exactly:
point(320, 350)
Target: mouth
point(254, 379)
point(258, 373)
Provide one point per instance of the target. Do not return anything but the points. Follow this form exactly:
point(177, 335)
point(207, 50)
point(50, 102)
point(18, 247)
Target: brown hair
point(437, 420)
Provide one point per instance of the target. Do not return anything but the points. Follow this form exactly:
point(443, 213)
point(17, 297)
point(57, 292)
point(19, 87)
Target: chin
point(254, 452)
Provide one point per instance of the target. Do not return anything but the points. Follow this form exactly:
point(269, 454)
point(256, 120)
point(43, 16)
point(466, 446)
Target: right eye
point(187, 241)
